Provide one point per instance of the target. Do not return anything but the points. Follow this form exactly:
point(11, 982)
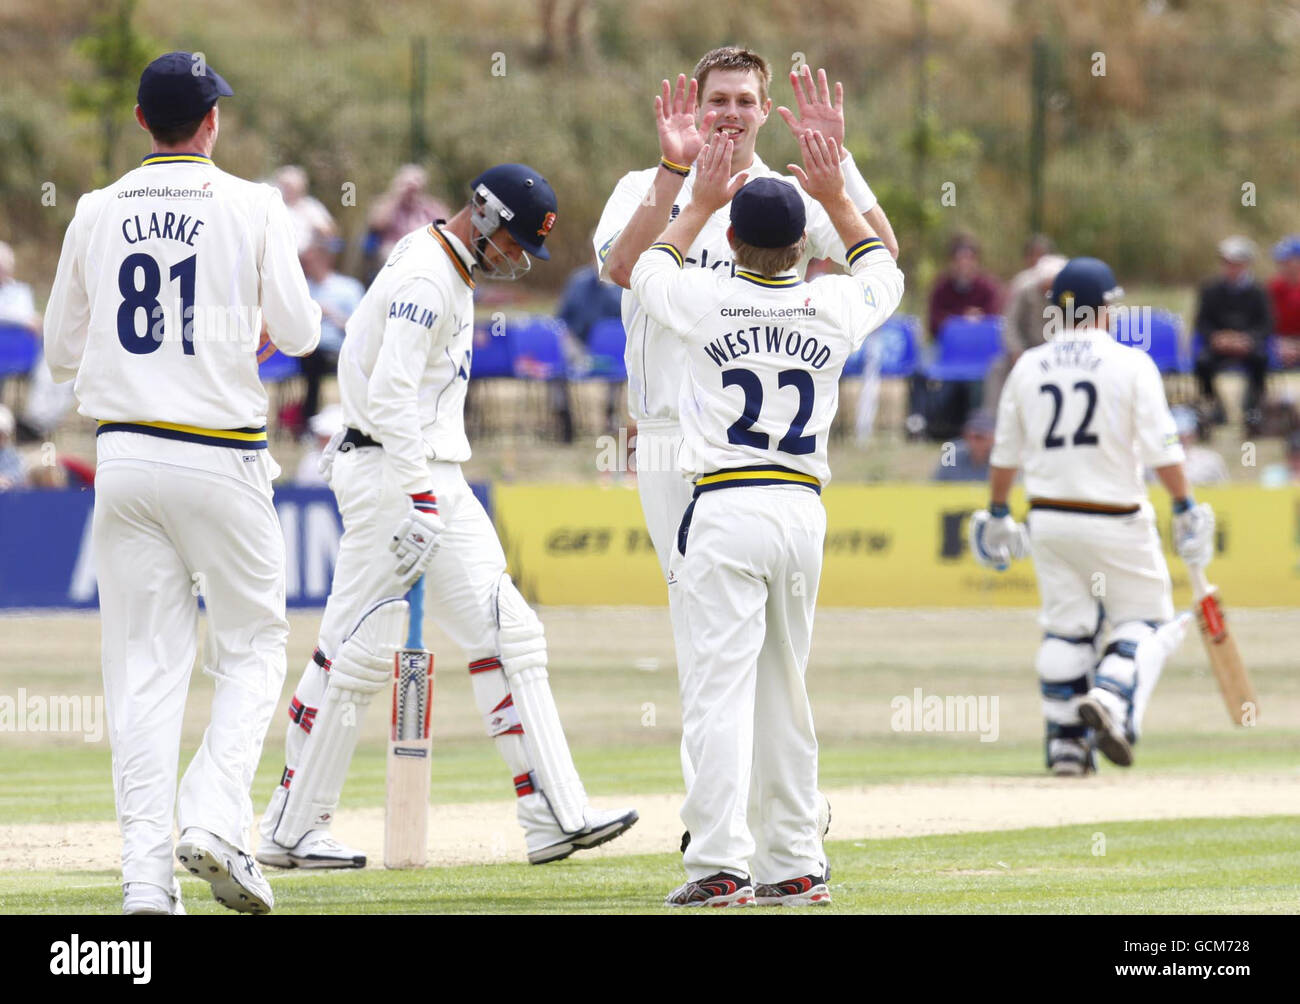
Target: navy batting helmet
point(1084, 282)
point(516, 197)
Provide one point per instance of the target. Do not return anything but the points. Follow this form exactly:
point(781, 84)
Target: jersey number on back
point(742, 431)
point(1082, 435)
point(146, 298)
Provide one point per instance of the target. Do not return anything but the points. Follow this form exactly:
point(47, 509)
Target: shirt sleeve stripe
point(862, 247)
point(676, 255)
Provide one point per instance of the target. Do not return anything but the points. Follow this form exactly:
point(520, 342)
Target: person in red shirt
point(1284, 290)
point(964, 288)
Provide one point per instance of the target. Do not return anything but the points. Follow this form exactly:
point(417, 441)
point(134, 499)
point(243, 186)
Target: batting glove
point(415, 541)
point(996, 541)
point(1194, 532)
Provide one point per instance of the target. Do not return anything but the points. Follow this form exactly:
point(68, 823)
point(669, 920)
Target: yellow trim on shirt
point(235, 435)
point(455, 258)
point(767, 475)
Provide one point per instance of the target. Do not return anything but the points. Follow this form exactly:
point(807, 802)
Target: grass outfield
point(618, 699)
point(1249, 865)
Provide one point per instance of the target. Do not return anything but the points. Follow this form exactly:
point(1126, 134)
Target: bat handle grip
point(1196, 575)
point(415, 599)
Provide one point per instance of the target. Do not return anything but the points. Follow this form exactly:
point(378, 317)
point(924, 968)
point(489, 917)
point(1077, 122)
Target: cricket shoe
point(1070, 757)
point(722, 889)
point(1097, 710)
point(316, 849)
point(603, 825)
point(236, 881)
point(807, 890)
point(145, 898)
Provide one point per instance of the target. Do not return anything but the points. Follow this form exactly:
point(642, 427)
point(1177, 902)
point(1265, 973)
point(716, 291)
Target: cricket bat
point(406, 812)
point(1225, 660)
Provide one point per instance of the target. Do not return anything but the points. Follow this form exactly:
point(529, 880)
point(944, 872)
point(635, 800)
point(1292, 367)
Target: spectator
point(12, 472)
point(1023, 322)
point(1286, 473)
point(969, 460)
point(309, 215)
point(1234, 322)
point(587, 299)
point(1284, 291)
point(338, 296)
point(406, 206)
point(1204, 466)
point(963, 290)
point(16, 304)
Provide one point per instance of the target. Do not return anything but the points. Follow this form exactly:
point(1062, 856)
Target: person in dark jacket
point(1234, 320)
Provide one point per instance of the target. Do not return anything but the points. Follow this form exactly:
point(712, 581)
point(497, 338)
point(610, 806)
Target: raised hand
point(680, 139)
point(816, 111)
point(820, 176)
point(714, 186)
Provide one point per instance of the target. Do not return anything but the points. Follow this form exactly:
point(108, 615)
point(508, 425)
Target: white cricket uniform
point(656, 361)
point(1082, 415)
point(163, 285)
point(403, 371)
point(763, 358)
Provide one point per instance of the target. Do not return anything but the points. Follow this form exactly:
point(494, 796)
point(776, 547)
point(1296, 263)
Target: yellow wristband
point(675, 168)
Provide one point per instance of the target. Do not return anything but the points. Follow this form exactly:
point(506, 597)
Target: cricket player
point(1082, 415)
point(165, 281)
point(763, 352)
point(407, 510)
point(727, 97)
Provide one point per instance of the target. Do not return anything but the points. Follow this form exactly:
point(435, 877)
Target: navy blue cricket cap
point(1085, 282)
point(768, 213)
point(173, 92)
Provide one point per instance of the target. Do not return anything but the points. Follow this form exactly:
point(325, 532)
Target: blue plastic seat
point(492, 354)
point(18, 350)
point(279, 368)
point(1158, 333)
point(535, 343)
point(966, 349)
point(607, 346)
point(900, 348)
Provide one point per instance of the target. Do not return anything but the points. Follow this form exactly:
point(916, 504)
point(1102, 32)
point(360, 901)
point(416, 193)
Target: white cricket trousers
point(749, 577)
point(665, 494)
point(1085, 561)
point(173, 521)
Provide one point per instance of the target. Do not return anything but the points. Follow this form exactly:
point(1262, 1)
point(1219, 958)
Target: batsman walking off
point(164, 283)
point(407, 509)
point(763, 352)
point(1082, 415)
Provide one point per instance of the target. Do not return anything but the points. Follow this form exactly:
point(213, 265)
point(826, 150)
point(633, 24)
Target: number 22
point(741, 432)
point(1082, 435)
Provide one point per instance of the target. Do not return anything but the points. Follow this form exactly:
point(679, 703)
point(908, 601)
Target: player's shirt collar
point(456, 251)
point(175, 158)
point(769, 281)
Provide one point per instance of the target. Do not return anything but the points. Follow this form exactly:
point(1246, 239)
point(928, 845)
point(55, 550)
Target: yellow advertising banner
point(887, 545)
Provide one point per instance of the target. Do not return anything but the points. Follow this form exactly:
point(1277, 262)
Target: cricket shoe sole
point(720, 890)
point(602, 827)
point(1108, 735)
point(236, 882)
point(316, 849)
point(808, 890)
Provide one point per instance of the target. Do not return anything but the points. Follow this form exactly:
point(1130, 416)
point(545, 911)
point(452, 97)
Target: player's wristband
point(999, 509)
point(1183, 504)
point(425, 502)
point(855, 186)
point(678, 169)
